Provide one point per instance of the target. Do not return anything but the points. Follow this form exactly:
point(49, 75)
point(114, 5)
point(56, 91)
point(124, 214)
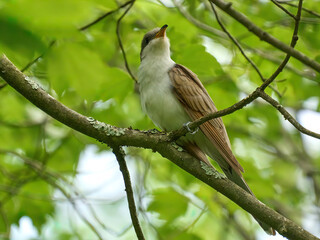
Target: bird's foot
point(187, 126)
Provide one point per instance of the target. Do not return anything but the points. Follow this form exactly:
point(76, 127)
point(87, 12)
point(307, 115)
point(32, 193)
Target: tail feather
point(237, 179)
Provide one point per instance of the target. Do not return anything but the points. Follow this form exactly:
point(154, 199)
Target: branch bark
point(159, 142)
point(118, 151)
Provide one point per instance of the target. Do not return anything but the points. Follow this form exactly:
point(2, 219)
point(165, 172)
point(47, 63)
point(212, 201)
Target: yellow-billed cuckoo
point(172, 95)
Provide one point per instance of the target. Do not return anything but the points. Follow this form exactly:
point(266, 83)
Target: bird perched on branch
point(172, 96)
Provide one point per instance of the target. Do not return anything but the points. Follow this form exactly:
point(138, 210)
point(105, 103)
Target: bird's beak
point(162, 32)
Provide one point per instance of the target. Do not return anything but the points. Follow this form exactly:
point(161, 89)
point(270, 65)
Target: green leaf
point(168, 203)
point(50, 17)
point(199, 61)
point(19, 43)
point(74, 67)
point(31, 203)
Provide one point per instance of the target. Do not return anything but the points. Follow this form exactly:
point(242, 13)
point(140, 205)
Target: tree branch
point(287, 115)
point(240, 49)
point(159, 142)
point(259, 92)
point(304, 9)
point(51, 178)
point(309, 74)
point(197, 23)
point(120, 42)
point(105, 15)
point(85, 27)
point(264, 36)
point(283, 9)
point(37, 58)
point(118, 151)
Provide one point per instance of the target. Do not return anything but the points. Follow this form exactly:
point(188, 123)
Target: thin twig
point(264, 36)
point(37, 58)
point(283, 9)
point(236, 42)
point(51, 178)
point(120, 42)
point(293, 42)
point(287, 115)
point(255, 94)
point(80, 29)
point(104, 16)
point(197, 23)
point(73, 204)
point(304, 9)
point(309, 73)
point(118, 151)
point(230, 219)
point(23, 125)
point(273, 102)
point(194, 222)
point(20, 181)
point(39, 169)
point(240, 49)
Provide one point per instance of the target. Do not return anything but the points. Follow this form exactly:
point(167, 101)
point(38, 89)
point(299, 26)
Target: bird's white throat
point(157, 98)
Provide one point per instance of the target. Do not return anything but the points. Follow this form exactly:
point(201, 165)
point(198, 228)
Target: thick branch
point(264, 36)
point(157, 142)
point(118, 151)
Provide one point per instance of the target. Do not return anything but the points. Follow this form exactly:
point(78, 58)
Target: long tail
point(234, 177)
point(230, 173)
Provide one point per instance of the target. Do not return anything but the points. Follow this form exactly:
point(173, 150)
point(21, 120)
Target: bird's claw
point(186, 125)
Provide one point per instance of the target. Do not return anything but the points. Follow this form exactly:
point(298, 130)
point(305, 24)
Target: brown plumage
point(172, 95)
point(197, 103)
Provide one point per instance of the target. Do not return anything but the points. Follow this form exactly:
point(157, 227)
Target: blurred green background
point(54, 181)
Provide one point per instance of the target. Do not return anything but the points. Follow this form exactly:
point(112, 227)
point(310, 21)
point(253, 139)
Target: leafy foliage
point(86, 71)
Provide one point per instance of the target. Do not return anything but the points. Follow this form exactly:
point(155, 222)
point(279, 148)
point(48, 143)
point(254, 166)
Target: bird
point(173, 96)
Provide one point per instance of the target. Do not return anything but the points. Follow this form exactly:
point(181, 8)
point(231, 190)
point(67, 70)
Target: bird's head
point(155, 43)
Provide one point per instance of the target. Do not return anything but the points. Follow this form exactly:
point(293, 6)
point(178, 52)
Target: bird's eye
point(147, 40)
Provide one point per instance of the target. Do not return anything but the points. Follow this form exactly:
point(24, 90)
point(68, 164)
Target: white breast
point(156, 94)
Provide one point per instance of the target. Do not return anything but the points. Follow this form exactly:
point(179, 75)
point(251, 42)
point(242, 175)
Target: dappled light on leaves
point(85, 69)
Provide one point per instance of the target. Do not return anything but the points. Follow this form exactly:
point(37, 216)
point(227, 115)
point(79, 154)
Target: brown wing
point(197, 102)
